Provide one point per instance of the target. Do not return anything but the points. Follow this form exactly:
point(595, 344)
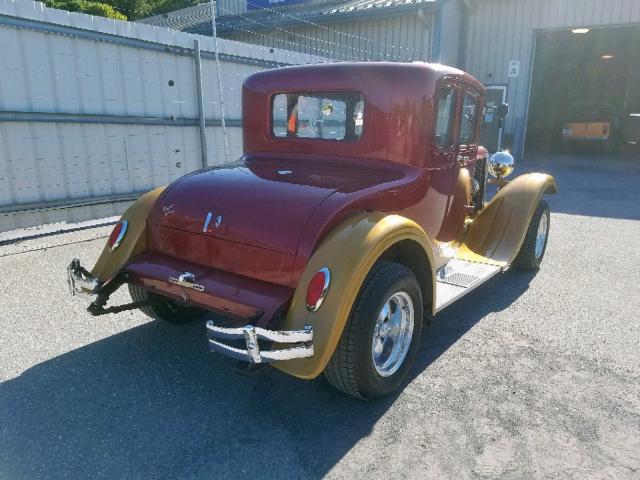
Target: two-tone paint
point(291, 206)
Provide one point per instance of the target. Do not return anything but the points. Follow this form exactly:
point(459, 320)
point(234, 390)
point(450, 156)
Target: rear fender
point(499, 229)
point(350, 251)
point(134, 242)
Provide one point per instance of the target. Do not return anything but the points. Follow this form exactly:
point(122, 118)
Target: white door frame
point(502, 87)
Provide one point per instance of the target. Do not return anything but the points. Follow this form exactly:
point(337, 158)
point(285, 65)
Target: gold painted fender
point(349, 252)
point(135, 240)
point(497, 233)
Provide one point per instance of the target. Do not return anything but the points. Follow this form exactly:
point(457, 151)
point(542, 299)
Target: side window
point(444, 120)
point(468, 119)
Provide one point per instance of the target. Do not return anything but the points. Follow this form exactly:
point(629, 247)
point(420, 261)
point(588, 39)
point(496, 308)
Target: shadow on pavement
point(152, 402)
point(593, 185)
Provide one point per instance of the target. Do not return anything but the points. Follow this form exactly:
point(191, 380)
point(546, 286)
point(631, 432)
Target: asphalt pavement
point(530, 376)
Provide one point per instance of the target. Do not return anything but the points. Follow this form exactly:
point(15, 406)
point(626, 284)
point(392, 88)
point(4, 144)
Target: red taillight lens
point(117, 235)
point(318, 288)
point(605, 129)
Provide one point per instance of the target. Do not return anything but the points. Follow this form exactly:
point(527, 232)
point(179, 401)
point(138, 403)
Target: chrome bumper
point(80, 280)
point(251, 335)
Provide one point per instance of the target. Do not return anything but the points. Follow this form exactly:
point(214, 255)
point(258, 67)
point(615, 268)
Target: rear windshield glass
point(324, 115)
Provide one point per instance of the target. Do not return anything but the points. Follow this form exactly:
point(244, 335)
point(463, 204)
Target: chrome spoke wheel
point(541, 235)
point(392, 334)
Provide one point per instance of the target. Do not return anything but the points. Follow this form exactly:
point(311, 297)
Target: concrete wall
point(504, 30)
point(94, 112)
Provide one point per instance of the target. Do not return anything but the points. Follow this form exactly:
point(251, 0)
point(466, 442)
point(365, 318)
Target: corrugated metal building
point(94, 112)
point(494, 40)
point(393, 30)
point(499, 32)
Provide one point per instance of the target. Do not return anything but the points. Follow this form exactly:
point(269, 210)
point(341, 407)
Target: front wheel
point(535, 242)
point(380, 339)
point(163, 308)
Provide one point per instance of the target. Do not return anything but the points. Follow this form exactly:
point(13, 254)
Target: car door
point(444, 153)
point(466, 147)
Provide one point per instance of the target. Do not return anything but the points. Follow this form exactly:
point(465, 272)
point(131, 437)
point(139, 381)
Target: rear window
point(321, 115)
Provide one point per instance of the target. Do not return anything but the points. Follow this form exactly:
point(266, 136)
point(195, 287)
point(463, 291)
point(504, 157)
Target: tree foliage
point(122, 9)
point(86, 6)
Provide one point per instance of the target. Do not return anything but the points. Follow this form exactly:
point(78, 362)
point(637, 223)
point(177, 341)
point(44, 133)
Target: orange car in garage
point(589, 124)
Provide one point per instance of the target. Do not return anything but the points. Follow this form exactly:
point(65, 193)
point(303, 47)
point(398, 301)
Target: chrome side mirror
point(501, 164)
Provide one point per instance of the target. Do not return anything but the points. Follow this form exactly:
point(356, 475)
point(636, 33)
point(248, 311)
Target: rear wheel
point(163, 308)
point(535, 242)
point(380, 339)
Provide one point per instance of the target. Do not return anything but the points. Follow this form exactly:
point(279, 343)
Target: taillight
point(605, 129)
point(318, 288)
point(117, 235)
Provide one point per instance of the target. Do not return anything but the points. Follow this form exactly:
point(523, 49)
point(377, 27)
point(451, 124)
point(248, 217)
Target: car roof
point(355, 76)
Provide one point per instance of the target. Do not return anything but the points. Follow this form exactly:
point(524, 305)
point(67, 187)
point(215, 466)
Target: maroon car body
point(285, 194)
point(354, 176)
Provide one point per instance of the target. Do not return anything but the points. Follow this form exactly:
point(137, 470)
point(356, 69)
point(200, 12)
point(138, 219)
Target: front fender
point(134, 242)
point(349, 252)
point(499, 229)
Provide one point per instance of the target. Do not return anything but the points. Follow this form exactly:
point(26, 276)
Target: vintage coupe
point(357, 209)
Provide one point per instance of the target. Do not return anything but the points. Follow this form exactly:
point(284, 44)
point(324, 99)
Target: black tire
point(351, 368)
point(527, 258)
point(163, 308)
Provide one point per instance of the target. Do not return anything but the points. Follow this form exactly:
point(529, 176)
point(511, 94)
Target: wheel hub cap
point(541, 235)
point(392, 334)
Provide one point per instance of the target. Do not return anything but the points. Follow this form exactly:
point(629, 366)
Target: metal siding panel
point(363, 32)
point(352, 29)
point(409, 40)
point(397, 37)
point(582, 12)
point(483, 53)
point(505, 27)
point(69, 74)
point(379, 45)
point(475, 38)
point(619, 11)
point(564, 13)
point(522, 51)
point(635, 11)
point(414, 43)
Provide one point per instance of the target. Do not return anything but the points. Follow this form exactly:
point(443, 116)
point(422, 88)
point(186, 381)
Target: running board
point(459, 277)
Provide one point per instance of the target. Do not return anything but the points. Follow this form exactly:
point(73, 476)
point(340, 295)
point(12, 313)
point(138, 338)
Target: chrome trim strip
point(187, 280)
point(206, 222)
point(266, 356)
point(80, 280)
point(252, 334)
point(279, 336)
point(51, 117)
point(251, 340)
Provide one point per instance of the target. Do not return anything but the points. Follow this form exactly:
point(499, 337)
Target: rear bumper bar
point(80, 280)
point(303, 340)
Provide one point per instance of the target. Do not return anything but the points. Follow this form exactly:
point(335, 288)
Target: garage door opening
point(585, 93)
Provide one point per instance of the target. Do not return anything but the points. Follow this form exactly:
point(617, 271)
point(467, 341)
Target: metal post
point(214, 32)
point(203, 131)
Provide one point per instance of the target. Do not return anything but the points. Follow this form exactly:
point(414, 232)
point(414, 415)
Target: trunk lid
point(257, 203)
